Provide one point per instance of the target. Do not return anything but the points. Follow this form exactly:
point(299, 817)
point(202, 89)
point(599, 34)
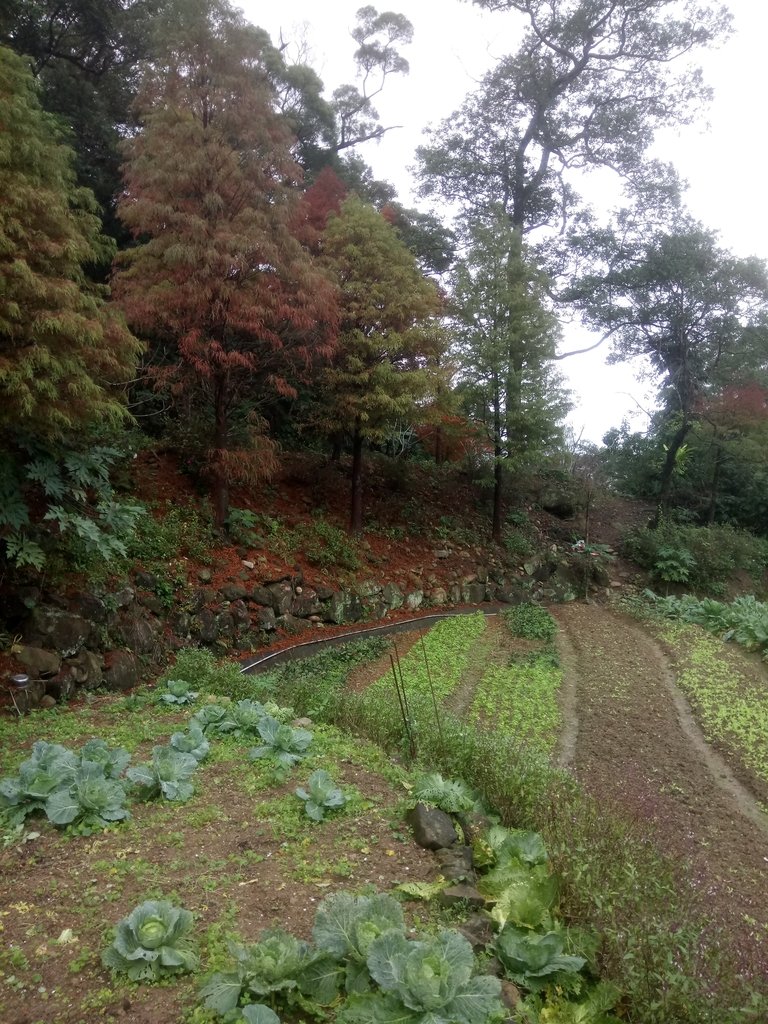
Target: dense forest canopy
point(195, 244)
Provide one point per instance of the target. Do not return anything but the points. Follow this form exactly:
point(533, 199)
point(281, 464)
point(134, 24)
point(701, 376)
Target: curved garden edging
point(309, 647)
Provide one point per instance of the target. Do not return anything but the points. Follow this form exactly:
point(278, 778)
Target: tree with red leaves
point(210, 195)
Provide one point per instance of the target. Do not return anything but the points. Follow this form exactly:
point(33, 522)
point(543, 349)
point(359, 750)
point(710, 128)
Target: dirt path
point(630, 739)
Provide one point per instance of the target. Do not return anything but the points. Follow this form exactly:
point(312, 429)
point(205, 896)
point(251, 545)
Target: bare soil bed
point(241, 855)
point(633, 743)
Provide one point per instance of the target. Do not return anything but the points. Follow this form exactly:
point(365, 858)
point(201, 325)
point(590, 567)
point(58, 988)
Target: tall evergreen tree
point(388, 337)
point(64, 353)
point(505, 345)
point(210, 194)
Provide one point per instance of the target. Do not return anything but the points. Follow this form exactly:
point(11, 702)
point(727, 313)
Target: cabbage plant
point(247, 714)
point(51, 767)
point(533, 960)
point(280, 966)
point(166, 775)
point(114, 760)
point(346, 925)
point(321, 794)
point(178, 691)
point(91, 800)
point(282, 743)
point(153, 943)
point(214, 718)
point(424, 982)
point(192, 741)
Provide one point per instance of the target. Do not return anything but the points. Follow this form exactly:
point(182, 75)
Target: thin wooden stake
point(405, 700)
point(401, 702)
point(434, 699)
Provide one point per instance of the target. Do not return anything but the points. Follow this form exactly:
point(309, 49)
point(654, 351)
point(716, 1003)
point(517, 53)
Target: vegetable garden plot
point(240, 852)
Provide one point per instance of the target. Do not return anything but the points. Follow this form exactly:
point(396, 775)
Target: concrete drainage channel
point(310, 647)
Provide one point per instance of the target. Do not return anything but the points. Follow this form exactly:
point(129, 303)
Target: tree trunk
point(356, 516)
point(220, 431)
point(337, 446)
point(669, 471)
point(497, 473)
point(439, 446)
point(714, 486)
point(497, 489)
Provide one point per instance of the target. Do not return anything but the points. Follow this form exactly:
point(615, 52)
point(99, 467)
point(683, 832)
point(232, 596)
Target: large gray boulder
point(57, 630)
point(39, 662)
point(122, 671)
point(344, 606)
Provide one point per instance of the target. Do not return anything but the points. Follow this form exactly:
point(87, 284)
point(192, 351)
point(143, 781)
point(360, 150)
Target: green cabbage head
point(153, 943)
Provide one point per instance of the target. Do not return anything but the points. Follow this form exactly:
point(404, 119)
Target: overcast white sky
point(724, 159)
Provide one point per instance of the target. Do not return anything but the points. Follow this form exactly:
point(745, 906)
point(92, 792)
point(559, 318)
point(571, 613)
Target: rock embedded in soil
point(478, 930)
point(432, 828)
point(122, 670)
point(456, 863)
point(38, 661)
point(461, 894)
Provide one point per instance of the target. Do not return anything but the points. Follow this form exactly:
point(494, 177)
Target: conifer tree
point(210, 193)
point(388, 336)
point(63, 351)
point(505, 345)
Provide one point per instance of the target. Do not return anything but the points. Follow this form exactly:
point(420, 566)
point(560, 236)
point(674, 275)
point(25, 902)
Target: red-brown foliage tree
point(211, 190)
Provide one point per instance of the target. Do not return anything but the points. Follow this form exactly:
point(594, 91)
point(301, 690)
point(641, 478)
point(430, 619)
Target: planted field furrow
point(633, 752)
point(729, 697)
point(520, 701)
point(433, 667)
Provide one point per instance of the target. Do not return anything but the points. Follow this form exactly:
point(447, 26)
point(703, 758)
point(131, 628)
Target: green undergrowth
point(731, 707)
point(428, 674)
point(657, 943)
point(519, 699)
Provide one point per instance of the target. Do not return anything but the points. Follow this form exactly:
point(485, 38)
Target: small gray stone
point(473, 593)
point(240, 614)
point(205, 575)
point(205, 626)
point(265, 620)
point(291, 624)
point(123, 597)
point(86, 669)
point(462, 893)
point(233, 592)
point(262, 596)
point(456, 863)
point(305, 604)
point(370, 588)
point(443, 553)
point(477, 930)
point(432, 828)
point(393, 596)
point(282, 597)
point(414, 600)
point(146, 580)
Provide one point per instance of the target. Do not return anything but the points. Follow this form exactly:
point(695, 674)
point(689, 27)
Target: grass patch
point(520, 700)
point(731, 707)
